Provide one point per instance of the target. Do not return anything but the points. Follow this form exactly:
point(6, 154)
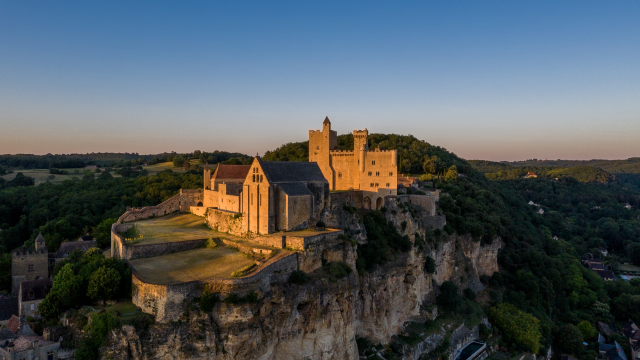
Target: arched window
point(260, 178)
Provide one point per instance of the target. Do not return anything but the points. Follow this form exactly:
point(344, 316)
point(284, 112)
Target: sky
point(495, 80)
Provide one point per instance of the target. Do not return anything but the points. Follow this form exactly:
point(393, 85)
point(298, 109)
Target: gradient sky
point(497, 80)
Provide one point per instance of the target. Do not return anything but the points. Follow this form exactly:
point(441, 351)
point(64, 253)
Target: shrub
point(244, 271)
point(320, 224)
point(299, 277)
point(208, 300)
point(336, 270)
point(210, 244)
point(235, 299)
point(449, 297)
point(469, 294)
point(516, 326)
point(429, 265)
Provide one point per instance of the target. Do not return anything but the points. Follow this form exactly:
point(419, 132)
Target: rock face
point(321, 320)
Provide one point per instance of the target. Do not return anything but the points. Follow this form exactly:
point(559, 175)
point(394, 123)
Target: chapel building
point(375, 172)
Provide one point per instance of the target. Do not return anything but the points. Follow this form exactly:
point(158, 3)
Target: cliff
point(323, 318)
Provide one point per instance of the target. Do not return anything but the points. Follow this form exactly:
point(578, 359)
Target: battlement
point(29, 251)
point(342, 152)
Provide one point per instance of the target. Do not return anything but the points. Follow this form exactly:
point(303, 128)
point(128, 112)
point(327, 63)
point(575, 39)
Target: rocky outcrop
point(321, 320)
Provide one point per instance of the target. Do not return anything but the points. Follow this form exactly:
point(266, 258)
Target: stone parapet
point(245, 249)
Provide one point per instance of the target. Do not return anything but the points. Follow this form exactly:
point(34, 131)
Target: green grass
point(156, 168)
point(172, 228)
point(198, 264)
point(42, 175)
point(629, 268)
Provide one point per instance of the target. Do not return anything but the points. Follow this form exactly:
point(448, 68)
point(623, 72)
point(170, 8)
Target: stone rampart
point(245, 249)
point(130, 252)
point(348, 198)
point(434, 222)
point(198, 210)
point(168, 302)
point(224, 221)
point(427, 202)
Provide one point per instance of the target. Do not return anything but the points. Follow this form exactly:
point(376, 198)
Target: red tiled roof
point(13, 324)
point(236, 172)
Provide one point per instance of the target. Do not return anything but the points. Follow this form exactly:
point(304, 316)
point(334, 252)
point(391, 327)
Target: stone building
point(375, 172)
point(222, 189)
point(19, 342)
point(84, 243)
point(31, 295)
point(282, 196)
point(29, 264)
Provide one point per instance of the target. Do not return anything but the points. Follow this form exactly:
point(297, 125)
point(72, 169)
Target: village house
point(29, 264)
point(84, 243)
point(610, 351)
point(31, 295)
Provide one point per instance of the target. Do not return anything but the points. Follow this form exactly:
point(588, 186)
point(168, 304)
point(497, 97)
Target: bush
point(336, 270)
point(429, 265)
point(516, 326)
point(469, 294)
point(208, 300)
point(244, 271)
point(320, 224)
point(235, 299)
point(449, 297)
point(299, 277)
point(383, 239)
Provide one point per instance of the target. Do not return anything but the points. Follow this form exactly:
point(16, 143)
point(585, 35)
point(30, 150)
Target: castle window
point(388, 185)
point(339, 175)
point(377, 173)
point(317, 147)
point(260, 200)
point(31, 295)
point(251, 199)
point(376, 184)
point(254, 178)
point(373, 162)
point(260, 178)
point(390, 173)
point(30, 267)
point(33, 306)
point(371, 185)
point(369, 173)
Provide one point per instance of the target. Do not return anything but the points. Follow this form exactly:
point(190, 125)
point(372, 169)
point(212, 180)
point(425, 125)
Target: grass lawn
point(174, 227)
point(198, 264)
point(156, 168)
point(629, 267)
point(42, 175)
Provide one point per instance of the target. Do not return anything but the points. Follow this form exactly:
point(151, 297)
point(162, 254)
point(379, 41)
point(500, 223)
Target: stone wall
point(245, 249)
point(349, 198)
point(130, 252)
point(427, 202)
point(180, 202)
point(169, 302)
point(225, 221)
point(28, 264)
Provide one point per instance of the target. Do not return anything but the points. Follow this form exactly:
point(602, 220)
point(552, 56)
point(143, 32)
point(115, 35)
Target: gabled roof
point(231, 172)
point(68, 247)
point(291, 171)
point(6, 334)
point(39, 289)
point(295, 189)
point(605, 274)
point(13, 324)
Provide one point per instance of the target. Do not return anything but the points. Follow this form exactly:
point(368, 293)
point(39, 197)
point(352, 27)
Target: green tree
point(429, 265)
point(102, 232)
point(68, 287)
point(568, 338)
point(516, 326)
point(103, 284)
point(452, 173)
point(588, 331)
point(51, 307)
point(432, 164)
point(449, 297)
point(633, 251)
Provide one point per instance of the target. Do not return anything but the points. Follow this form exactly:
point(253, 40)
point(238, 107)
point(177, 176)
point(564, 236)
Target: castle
point(374, 172)
point(273, 196)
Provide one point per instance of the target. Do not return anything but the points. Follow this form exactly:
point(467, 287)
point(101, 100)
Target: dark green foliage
point(320, 224)
point(626, 306)
point(18, 181)
point(383, 240)
point(299, 277)
point(449, 298)
point(96, 334)
point(484, 332)
point(336, 270)
point(104, 284)
point(208, 300)
point(469, 294)
point(289, 152)
point(516, 326)
point(634, 253)
point(568, 339)
point(235, 299)
point(68, 210)
point(429, 265)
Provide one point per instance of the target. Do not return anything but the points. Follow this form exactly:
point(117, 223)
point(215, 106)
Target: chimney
point(46, 334)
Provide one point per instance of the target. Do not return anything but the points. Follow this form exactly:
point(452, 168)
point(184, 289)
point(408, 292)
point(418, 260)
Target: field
point(42, 175)
point(156, 168)
point(198, 264)
point(629, 268)
point(174, 227)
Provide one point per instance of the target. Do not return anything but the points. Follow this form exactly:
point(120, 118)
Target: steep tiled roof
point(291, 171)
point(40, 238)
point(231, 172)
point(6, 334)
point(68, 247)
point(8, 307)
point(26, 342)
point(25, 329)
point(295, 189)
point(13, 324)
point(605, 274)
point(39, 288)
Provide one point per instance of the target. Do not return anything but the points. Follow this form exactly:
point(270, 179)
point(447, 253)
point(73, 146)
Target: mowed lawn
point(198, 264)
point(629, 267)
point(159, 167)
point(42, 175)
point(171, 228)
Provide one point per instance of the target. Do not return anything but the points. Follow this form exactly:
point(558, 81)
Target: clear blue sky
point(499, 80)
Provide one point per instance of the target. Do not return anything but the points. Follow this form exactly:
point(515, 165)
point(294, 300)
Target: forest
point(541, 280)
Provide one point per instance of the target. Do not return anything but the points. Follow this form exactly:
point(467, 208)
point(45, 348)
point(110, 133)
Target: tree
point(102, 232)
point(449, 298)
point(429, 265)
point(103, 284)
point(452, 173)
point(588, 331)
point(568, 339)
point(633, 251)
point(67, 286)
point(432, 164)
point(516, 326)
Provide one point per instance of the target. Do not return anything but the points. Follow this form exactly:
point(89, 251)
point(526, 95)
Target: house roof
point(326, 120)
point(26, 342)
point(6, 334)
point(291, 171)
point(86, 237)
point(231, 172)
point(39, 289)
point(68, 247)
point(8, 307)
point(13, 324)
point(295, 189)
point(596, 266)
point(605, 274)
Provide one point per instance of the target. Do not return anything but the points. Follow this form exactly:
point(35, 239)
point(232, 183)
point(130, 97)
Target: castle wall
point(346, 174)
point(348, 198)
point(380, 171)
point(180, 202)
point(168, 302)
point(225, 221)
point(427, 202)
point(210, 199)
point(299, 209)
point(245, 249)
point(22, 260)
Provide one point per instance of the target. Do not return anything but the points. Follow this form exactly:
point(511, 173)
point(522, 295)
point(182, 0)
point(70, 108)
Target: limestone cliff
point(322, 319)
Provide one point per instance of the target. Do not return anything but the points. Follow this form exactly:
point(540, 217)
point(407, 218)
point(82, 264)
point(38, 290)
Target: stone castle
point(375, 172)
